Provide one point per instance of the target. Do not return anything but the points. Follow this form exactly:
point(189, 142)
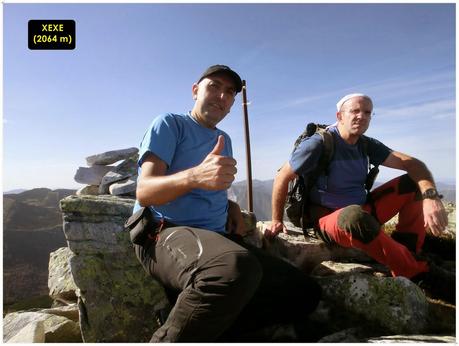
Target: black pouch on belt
point(140, 225)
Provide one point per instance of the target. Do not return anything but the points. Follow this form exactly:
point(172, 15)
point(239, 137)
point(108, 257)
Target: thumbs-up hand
point(215, 172)
point(217, 150)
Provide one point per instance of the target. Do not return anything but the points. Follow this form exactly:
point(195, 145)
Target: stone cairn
point(102, 178)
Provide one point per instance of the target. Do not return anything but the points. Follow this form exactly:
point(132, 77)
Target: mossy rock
point(117, 300)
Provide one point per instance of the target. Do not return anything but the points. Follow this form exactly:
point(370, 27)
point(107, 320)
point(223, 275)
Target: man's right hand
point(274, 229)
point(215, 172)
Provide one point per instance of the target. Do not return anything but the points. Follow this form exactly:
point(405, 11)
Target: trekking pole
point(247, 148)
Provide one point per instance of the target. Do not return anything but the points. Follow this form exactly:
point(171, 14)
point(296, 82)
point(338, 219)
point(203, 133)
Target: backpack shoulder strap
point(328, 149)
point(365, 145)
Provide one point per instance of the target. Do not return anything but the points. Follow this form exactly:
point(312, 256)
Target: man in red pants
point(344, 213)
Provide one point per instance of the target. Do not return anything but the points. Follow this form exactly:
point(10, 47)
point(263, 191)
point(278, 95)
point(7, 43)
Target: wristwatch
point(431, 194)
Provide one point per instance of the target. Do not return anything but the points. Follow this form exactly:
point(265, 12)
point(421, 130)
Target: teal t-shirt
point(181, 142)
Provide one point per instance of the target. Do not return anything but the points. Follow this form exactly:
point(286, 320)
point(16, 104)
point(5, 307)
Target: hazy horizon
point(447, 183)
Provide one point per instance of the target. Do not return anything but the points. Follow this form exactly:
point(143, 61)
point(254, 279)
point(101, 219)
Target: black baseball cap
point(223, 69)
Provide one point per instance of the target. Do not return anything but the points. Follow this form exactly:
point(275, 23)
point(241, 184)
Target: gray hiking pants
point(223, 288)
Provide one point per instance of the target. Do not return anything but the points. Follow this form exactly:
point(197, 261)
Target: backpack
point(297, 201)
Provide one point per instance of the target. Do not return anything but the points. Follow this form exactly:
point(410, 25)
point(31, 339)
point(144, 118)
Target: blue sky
point(133, 62)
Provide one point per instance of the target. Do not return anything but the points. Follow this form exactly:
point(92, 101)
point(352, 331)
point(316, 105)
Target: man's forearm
point(280, 189)
point(158, 190)
point(415, 168)
point(420, 174)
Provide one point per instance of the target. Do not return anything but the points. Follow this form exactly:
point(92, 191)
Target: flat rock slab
point(110, 157)
point(54, 328)
point(91, 175)
point(122, 171)
point(97, 205)
point(60, 280)
point(124, 187)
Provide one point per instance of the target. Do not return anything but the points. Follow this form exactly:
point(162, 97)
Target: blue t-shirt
point(344, 182)
point(181, 142)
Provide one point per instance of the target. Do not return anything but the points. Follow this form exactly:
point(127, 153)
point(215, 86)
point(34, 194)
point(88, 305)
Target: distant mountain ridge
point(33, 209)
point(32, 228)
point(14, 191)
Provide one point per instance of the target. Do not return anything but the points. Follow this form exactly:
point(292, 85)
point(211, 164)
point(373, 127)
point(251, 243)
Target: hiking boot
point(438, 282)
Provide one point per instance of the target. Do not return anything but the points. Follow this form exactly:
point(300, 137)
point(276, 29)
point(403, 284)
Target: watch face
point(430, 193)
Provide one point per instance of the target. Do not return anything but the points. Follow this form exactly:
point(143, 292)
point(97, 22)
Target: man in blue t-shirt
point(220, 287)
point(342, 212)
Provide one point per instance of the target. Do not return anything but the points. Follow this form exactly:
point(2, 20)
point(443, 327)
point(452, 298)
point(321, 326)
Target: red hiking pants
point(360, 226)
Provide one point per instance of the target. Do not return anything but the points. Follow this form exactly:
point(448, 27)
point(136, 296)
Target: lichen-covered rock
point(60, 329)
point(110, 157)
point(55, 328)
point(95, 237)
point(117, 300)
point(97, 205)
point(60, 280)
point(395, 304)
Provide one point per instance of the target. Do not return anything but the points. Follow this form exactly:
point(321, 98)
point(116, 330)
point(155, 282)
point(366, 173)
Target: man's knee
point(354, 220)
point(230, 272)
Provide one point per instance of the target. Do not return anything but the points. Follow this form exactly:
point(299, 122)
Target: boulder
point(395, 304)
point(110, 157)
point(91, 175)
point(117, 300)
point(413, 339)
point(60, 280)
point(124, 170)
point(54, 328)
point(33, 332)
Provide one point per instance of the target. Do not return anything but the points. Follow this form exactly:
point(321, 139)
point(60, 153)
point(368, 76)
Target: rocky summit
point(102, 294)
